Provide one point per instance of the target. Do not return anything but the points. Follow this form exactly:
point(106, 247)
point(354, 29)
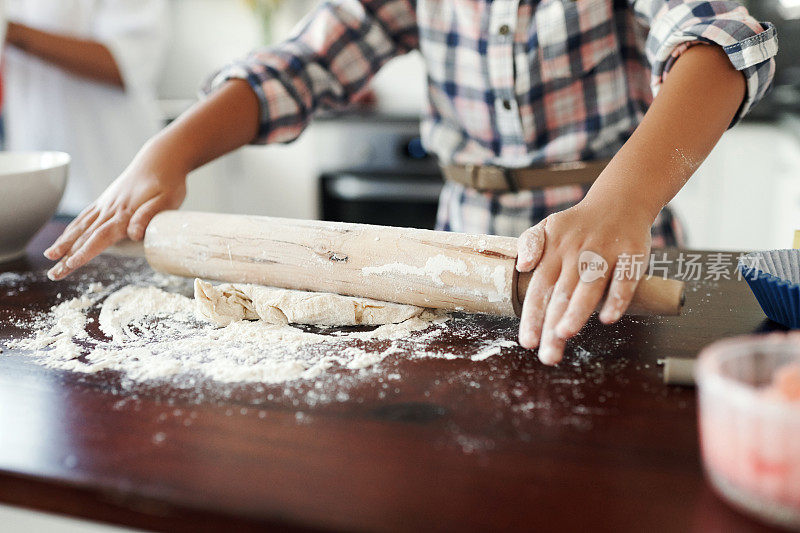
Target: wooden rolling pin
point(453, 271)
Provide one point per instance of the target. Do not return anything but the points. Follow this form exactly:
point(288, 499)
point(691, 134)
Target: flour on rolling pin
point(433, 269)
point(436, 266)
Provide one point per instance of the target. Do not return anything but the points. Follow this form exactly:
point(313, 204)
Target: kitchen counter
point(598, 443)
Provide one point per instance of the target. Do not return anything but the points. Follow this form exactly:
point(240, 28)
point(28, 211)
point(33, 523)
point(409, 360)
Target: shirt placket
point(500, 59)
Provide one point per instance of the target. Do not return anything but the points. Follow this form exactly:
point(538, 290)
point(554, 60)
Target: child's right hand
point(149, 185)
point(156, 179)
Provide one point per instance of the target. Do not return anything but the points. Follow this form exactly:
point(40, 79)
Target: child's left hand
point(694, 107)
point(560, 299)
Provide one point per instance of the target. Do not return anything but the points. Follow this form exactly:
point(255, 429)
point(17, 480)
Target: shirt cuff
point(280, 118)
point(750, 46)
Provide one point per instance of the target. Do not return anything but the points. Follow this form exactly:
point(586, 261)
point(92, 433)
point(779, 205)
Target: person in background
point(511, 84)
point(80, 77)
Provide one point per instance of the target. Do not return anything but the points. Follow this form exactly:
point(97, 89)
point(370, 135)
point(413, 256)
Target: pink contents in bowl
point(749, 415)
point(786, 384)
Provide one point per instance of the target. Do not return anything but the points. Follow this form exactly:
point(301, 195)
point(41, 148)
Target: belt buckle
point(512, 184)
point(472, 174)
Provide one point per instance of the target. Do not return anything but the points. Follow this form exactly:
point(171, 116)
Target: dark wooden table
point(596, 444)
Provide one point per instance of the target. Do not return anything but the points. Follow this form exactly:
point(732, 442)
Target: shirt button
point(507, 105)
point(505, 29)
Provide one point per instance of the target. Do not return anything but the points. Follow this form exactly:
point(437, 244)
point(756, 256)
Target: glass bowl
point(750, 431)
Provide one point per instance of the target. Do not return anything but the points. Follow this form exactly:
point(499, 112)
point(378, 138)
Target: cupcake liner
point(774, 278)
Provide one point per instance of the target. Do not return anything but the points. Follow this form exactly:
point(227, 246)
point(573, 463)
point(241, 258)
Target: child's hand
point(560, 300)
point(156, 180)
point(127, 206)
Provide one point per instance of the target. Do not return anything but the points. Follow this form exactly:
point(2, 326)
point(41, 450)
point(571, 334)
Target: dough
point(227, 303)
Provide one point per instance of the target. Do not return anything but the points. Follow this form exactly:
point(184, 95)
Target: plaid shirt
point(510, 82)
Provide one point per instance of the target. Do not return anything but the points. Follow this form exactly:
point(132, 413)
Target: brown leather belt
point(498, 179)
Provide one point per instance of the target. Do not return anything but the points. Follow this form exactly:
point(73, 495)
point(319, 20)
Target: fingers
point(142, 217)
point(551, 349)
point(106, 235)
point(62, 269)
point(619, 298)
point(530, 247)
point(99, 221)
point(537, 298)
point(591, 269)
point(73, 230)
point(583, 303)
point(68, 264)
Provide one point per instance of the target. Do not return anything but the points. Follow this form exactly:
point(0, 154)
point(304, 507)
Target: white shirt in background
point(99, 125)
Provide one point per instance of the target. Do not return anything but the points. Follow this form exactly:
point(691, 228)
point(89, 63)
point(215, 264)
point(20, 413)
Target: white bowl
point(31, 186)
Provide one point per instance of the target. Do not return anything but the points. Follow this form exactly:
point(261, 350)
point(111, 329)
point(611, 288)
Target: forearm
point(83, 57)
point(695, 106)
point(226, 120)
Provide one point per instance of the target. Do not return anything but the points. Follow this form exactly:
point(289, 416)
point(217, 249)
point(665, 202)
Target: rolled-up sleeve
point(676, 25)
point(327, 62)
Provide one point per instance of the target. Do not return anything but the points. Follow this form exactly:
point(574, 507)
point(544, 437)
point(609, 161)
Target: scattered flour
point(154, 334)
point(492, 350)
point(487, 353)
point(149, 333)
point(167, 352)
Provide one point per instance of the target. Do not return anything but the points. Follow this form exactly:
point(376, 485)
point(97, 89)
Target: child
point(511, 84)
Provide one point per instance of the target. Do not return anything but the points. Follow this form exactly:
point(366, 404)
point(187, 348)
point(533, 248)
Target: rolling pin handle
point(653, 296)
point(516, 286)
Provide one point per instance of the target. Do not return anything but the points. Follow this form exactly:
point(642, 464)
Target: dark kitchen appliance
point(398, 184)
